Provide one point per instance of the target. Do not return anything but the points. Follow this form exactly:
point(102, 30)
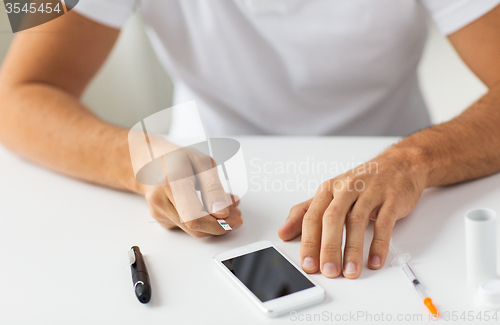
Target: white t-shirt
point(297, 67)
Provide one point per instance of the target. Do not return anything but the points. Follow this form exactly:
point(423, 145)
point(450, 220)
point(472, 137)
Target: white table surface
point(64, 247)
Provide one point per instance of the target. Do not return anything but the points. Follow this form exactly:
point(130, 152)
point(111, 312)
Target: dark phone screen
point(267, 274)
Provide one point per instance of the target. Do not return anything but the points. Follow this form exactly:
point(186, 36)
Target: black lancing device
point(140, 277)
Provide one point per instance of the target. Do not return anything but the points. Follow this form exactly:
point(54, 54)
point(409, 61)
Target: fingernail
point(308, 264)
point(330, 269)
point(350, 268)
point(219, 207)
point(375, 261)
point(236, 226)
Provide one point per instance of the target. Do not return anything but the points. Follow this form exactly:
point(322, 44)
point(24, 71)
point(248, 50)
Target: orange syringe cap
point(430, 305)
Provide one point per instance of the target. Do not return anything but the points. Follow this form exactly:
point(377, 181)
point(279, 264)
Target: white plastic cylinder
point(480, 245)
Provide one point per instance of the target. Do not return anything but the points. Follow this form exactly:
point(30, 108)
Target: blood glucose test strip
point(224, 224)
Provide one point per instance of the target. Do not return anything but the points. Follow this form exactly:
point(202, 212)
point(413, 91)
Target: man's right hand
point(166, 213)
point(176, 203)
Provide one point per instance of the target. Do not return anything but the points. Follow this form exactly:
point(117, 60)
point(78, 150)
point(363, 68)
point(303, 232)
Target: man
point(315, 67)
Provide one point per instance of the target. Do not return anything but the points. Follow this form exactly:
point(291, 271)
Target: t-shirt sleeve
point(113, 13)
point(451, 15)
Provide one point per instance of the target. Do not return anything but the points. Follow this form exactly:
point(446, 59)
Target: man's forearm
point(50, 127)
point(464, 148)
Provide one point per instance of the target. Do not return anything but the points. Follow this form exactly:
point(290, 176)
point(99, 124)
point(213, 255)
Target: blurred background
point(132, 84)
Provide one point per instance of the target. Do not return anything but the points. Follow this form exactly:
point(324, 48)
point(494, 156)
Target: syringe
point(401, 260)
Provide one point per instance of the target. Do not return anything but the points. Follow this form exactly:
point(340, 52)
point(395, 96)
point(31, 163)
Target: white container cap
point(488, 294)
point(480, 245)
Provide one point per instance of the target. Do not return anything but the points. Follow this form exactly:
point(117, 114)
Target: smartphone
point(269, 278)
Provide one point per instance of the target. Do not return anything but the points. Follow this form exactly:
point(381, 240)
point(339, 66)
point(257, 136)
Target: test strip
point(224, 224)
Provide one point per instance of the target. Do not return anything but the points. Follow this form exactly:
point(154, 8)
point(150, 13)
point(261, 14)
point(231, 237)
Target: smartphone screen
point(267, 274)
